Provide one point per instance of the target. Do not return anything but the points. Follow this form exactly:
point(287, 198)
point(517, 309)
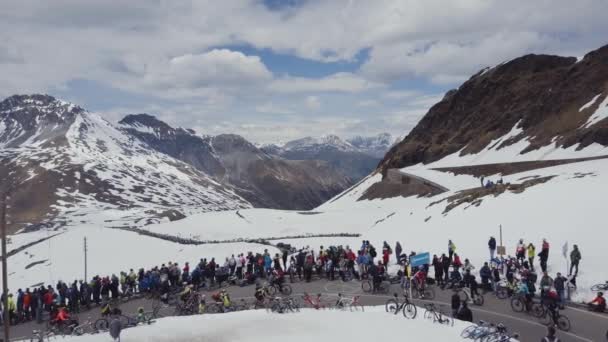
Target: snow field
point(308, 325)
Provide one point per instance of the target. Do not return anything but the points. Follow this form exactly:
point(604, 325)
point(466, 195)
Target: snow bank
point(372, 325)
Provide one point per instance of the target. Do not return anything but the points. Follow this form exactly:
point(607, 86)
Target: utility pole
point(85, 260)
point(3, 199)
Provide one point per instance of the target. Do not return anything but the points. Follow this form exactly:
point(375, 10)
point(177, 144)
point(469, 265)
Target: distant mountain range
point(65, 162)
point(355, 157)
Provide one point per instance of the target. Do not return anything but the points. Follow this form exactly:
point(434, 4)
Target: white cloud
point(313, 102)
point(367, 103)
point(339, 82)
point(271, 108)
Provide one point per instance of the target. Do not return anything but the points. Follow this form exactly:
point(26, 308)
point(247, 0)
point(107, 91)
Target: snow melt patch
point(600, 114)
point(590, 103)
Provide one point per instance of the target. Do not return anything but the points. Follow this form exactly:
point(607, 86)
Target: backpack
point(372, 252)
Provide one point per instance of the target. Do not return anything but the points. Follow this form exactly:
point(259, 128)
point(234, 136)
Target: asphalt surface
point(586, 326)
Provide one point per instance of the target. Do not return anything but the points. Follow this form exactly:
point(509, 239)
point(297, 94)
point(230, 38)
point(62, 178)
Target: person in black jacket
point(465, 314)
point(446, 262)
point(455, 303)
point(492, 247)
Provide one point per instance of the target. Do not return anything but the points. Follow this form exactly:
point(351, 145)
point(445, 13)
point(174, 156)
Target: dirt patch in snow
point(511, 168)
point(474, 197)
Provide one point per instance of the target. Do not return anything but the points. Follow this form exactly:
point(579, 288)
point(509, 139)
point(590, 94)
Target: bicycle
point(427, 292)
point(478, 331)
point(41, 336)
point(352, 303)
point(553, 316)
point(314, 302)
point(87, 327)
point(393, 305)
point(431, 313)
point(284, 305)
point(600, 287)
point(502, 290)
point(103, 324)
point(520, 303)
point(382, 287)
point(275, 288)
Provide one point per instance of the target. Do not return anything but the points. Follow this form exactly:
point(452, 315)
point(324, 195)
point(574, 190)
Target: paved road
point(586, 326)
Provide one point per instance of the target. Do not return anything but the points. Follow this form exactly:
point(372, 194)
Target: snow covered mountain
point(64, 163)
point(355, 157)
point(376, 146)
point(263, 180)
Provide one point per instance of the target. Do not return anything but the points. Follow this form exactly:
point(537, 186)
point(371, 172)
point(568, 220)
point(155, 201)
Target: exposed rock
point(544, 95)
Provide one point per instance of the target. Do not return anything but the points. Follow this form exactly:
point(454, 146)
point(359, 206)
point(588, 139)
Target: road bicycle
point(393, 305)
point(432, 313)
point(88, 327)
point(350, 303)
point(600, 287)
point(103, 324)
point(284, 305)
point(502, 290)
point(488, 332)
point(367, 285)
point(42, 336)
point(314, 302)
point(275, 288)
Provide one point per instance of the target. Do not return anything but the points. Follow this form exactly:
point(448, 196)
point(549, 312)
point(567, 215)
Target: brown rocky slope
point(544, 94)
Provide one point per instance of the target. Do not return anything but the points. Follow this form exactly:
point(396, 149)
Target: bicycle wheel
point(409, 311)
point(563, 323)
point(391, 306)
point(272, 290)
point(517, 304)
point(429, 315)
point(502, 293)
point(366, 286)
point(468, 331)
point(385, 286)
point(546, 318)
point(538, 310)
point(102, 324)
point(78, 331)
point(286, 289)
point(478, 300)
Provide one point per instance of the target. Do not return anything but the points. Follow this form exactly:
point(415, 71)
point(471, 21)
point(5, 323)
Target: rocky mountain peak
point(35, 118)
point(548, 101)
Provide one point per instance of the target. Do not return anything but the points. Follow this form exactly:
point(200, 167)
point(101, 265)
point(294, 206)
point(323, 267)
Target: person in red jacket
point(598, 304)
point(456, 263)
point(385, 256)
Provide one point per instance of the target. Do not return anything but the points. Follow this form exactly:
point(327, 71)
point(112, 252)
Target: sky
point(276, 70)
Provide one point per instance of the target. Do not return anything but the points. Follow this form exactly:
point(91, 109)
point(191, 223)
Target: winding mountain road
point(586, 326)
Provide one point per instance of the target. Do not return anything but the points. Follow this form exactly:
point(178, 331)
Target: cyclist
point(260, 293)
point(225, 299)
point(61, 318)
point(420, 281)
point(278, 278)
point(523, 291)
point(186, 293)
point(598, 304)
point(141, 315)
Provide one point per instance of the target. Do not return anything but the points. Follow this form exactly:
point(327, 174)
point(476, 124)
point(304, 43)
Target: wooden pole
point(85, 260)
point(3, 200)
